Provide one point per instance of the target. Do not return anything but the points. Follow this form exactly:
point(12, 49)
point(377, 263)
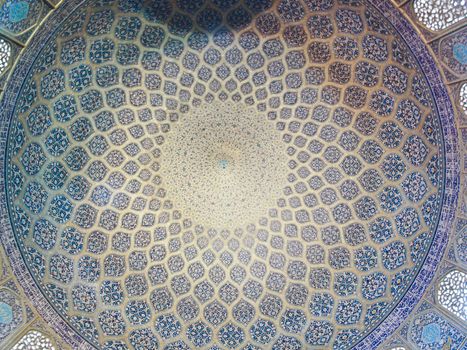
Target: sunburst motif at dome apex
point(224, 165)
point(236, 174)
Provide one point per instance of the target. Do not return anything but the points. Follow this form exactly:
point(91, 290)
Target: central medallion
point(224, 165)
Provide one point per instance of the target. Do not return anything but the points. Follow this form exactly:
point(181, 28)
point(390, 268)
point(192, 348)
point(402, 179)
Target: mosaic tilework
point(11, 313)
point(211, 177)
point(432, 331)
point(368, 179)
point(453, 51)
point(18, 17)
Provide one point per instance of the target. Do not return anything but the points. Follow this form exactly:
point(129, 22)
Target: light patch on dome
point(224, 165)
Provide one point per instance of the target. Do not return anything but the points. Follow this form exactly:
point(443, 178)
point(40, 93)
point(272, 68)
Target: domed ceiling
point(228, 175)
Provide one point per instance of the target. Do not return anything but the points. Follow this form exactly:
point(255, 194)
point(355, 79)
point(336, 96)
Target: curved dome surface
point(227, 174)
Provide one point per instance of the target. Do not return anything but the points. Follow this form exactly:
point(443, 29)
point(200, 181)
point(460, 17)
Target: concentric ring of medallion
point(235, 174)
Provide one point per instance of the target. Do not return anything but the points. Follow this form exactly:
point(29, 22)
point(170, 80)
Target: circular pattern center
point(224, 165)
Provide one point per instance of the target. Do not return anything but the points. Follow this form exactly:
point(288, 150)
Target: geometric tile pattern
point(11, 313)
point(354, 203)
point(431, 331)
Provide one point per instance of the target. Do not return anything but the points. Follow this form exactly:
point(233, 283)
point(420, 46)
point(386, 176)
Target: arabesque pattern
point(332, 240)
